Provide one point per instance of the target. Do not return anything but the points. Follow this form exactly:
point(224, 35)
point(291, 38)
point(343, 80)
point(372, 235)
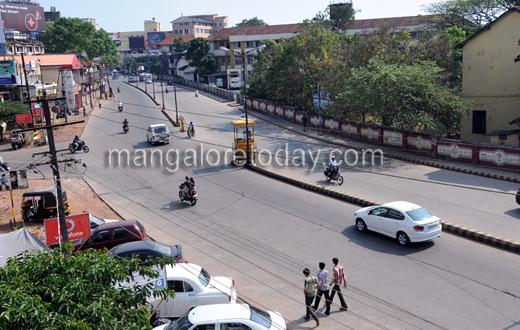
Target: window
point(204, 277)
point(205, 327)
point(221, 24)
point(394, 214)
point(186, 23)
point(179, 286)
point(36, 49)
point(261, 317)
point(502, 137)
point(258, 43)
point(101, 236)
point(479, 122)
point(234, 326)
point(414, 35)
point(223, 60)
point(250, 44)
point(121, 233)
point(19, 49)
point(380, 211)
point(237, 44)
point(250, 59)
point(238, 60)
point(29, 49)
point(419, 214)
point(186, 31)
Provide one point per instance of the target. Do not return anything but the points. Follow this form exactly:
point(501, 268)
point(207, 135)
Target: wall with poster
point(154, 38)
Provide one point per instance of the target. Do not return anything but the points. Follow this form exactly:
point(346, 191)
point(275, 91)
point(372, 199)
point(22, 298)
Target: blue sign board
point(324, 100)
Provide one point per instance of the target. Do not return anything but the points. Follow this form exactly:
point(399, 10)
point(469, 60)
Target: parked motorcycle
point(332, 174)
point(191, 132)
point(155, 319)
point(185, 196)
point(125, 128)
point(81, 146)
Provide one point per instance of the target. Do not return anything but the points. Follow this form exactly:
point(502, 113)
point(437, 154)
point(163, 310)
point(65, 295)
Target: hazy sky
point(129, 15)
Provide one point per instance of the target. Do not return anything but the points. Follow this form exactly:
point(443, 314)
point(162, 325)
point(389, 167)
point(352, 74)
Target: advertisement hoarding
point(155, 38)
point(23, 118)
point(7, 72)
point(78, 226)
point(22, 17)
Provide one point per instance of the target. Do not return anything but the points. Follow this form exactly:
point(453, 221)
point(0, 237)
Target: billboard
point(13, 180)
point(22, 17)
point(7, 72)
point(154, 38)
point(136, 42)
point(78, 226)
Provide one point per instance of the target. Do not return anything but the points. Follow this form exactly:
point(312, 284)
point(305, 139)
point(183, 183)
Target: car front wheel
point(360, 224)
point(403, 238)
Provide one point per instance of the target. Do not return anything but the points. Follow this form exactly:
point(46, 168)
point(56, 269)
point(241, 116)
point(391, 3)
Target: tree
point(199, 54)
point(8, 110)
point(474, 13)
point(43, 290)
point(342, 16)
point(72, 35)
point(402, 96)
point(251, 22)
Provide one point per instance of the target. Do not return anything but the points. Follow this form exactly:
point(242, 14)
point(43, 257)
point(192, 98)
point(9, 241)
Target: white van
point(235, 83)
point(158, 133)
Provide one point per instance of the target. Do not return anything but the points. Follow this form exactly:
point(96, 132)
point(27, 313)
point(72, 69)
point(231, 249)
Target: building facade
point(199, 25)
point(491, 80)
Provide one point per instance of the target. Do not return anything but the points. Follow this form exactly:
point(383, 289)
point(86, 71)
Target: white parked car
point(227, 317)
point(158, 133)
point(407, 222)
point(194, 286)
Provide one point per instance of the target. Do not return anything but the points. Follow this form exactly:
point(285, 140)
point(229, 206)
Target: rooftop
point(224, 34)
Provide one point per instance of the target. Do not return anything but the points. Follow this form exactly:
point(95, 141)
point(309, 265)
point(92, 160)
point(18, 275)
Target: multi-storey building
point(199, 25)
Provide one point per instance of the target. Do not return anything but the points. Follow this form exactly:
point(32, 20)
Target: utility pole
point(55, 171)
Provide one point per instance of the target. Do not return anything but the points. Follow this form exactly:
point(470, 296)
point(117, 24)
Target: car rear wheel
point(360, 224)
point(403, 238)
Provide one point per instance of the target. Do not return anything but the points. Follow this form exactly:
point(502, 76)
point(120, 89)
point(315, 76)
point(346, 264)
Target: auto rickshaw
point(18, 140)
point(39, 204)
point(240, 140)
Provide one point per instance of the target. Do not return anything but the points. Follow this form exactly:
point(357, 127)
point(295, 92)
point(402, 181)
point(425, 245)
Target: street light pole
point(162, 93)
point(176, 112)
point(153, 85)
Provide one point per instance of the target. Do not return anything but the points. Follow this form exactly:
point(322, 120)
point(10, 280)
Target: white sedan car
point(227, 317)
point(407, 222)
point(194, 286)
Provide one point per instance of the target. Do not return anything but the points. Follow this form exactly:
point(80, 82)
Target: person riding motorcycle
point(333, 166)
point(187, 184)
point(118, 89)
point(125, 124)
point(120, 105)
point(76, 142)
point(191, 127)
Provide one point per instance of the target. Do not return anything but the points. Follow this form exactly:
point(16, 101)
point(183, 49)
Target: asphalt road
point(263, 232)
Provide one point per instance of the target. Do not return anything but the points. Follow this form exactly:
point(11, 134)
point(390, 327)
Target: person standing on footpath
point(339, 278)
point(324, 289)
point(309, 290)
point(304, 122)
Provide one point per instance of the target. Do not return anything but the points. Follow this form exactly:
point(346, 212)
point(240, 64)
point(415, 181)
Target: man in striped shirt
point(339, 278)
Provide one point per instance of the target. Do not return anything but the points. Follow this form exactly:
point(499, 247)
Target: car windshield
point(261, 317)
point(419, 214)
point(164, 249)
point(204, 277)
point(181, 324)
point(97, 221)
point(160, 130)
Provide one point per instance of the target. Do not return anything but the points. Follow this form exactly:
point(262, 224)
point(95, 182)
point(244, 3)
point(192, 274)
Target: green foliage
point(46, 291)
point(401, 96)
point(251, 22)
point(455, 35)
point(460, 13)
point(72, 35)
point(8, 110)
point(199, 54)
point(179, 45)
point(341, 16)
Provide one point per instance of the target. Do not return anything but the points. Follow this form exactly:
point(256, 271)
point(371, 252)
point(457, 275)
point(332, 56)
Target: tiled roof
point(504, 132)
point(46, 59)
point(169, 40)
point(224, 34)
point(392, 21)
point(515, 121)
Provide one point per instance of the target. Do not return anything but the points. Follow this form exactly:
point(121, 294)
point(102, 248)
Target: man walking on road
point(339, 278)
point(304, 122)
point(309, 290)
point(324, 289)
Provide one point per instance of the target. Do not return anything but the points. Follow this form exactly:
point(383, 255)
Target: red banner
point(37, 112)
point(78, 226)
point(23, 118)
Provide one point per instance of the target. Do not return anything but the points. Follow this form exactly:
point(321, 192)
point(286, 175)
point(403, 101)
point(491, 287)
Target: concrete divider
point(446, 226)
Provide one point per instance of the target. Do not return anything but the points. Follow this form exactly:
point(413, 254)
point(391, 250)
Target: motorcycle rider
point(196, 93)
point(118, 89)
point(187, 184)
point(76, 142)
point(120, 105)
point(125, 124)
point(191, 126)
point(333, 166)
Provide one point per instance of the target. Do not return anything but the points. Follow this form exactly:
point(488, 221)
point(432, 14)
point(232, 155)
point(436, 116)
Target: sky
point(129, 15)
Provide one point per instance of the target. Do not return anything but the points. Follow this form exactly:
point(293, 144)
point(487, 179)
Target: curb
point(403, 158)
point(446, 226)
point(151, 97)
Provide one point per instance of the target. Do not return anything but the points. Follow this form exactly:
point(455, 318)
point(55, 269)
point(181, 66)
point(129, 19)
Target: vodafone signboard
point(78, 226)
